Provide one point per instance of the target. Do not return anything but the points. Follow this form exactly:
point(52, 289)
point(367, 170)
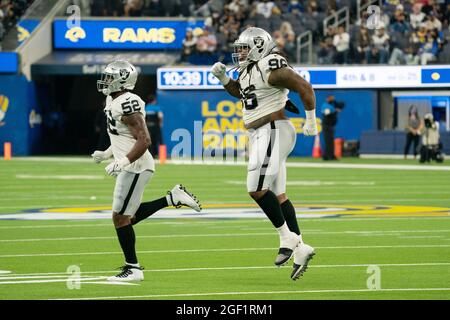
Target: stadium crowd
point(10, 12)
point(410, 31)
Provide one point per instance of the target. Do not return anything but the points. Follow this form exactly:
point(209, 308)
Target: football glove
point(310, 127)
point(114, 168)
point(100, 156)
point(219, 71)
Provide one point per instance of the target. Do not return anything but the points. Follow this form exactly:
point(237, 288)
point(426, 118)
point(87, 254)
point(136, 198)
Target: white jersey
point(122, 141)
point(259, 97)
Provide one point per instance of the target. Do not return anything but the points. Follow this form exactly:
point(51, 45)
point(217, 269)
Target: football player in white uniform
point(264, 81)
point(133, 165)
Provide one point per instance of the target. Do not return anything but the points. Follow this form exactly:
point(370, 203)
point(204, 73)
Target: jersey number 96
point(249, 99)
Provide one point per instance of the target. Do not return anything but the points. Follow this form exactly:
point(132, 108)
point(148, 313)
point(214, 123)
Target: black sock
point(127, 241)
point(271, 207)
point(146, 209)
point(290, 216)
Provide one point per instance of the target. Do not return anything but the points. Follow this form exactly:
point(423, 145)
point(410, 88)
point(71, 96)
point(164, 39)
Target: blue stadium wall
point(217, 113)
point(20, 118)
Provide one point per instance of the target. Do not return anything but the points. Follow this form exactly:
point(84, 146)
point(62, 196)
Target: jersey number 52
point(130, 107)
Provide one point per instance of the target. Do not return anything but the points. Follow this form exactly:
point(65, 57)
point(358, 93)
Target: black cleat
point(300, 269)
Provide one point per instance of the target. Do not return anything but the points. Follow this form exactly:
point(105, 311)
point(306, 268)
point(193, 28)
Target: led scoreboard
point(358, 77)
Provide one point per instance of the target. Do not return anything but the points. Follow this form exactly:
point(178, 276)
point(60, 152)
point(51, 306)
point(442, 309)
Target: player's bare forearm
point(138, 129)
point(289, 79)
point(232, 88)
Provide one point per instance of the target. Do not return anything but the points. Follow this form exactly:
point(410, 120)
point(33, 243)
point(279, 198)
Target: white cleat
point(286, 250)
point(302, 255)
point(179, 196)
point(128, 274)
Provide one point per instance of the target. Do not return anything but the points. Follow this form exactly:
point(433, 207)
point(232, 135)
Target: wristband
point(224, 80)
point(310, 114)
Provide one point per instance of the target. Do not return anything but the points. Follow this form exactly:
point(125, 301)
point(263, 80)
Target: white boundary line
point(213, 250)
point(251, 234)
point(257, 292)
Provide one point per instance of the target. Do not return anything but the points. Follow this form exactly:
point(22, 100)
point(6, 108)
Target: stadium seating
point(302, 15)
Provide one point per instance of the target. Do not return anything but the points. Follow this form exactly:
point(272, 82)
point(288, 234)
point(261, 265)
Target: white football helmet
point(252, 45)
point(117, 76)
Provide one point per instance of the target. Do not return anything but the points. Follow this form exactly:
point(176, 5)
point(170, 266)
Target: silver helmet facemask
point(117, 76)
point(258, 44)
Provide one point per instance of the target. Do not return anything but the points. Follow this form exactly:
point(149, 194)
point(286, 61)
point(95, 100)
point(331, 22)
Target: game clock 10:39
point(182, 78)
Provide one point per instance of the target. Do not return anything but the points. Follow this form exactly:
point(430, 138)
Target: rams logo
point(75, 34)
point(4, 103)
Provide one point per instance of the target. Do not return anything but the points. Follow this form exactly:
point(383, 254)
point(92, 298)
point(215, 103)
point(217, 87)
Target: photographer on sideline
point(329, 110)
point(431, 147)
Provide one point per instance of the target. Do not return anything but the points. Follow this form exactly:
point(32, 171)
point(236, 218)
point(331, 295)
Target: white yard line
point(258, 292)
point(331, 266)
point(50, 280)
point(319, 165)
point(59, 177)
point(250, 234)
point(215, 250)
point(155, 222)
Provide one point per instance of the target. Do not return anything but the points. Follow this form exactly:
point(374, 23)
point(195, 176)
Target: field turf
point(229, 258)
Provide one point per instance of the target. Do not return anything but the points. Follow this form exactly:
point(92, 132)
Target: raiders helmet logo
point(259, 42)
point(124, 74)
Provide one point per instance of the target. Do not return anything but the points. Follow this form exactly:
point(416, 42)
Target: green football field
point(381, 230)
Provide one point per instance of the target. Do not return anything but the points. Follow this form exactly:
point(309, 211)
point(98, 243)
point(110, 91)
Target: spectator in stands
point(375, 56)
point(313, 8)
point(295, 5)
point(400, 25)
point(290, 48)
point(446, 16)
point(380, 39)
point(286, 29)
point(406, 57)
point(326, 51)
point(420, 36)
point(237, 6)
point(362, 44)
point(189, 43)
point(133, 8)
point(341, 42)
point(429, 50)
point(265, 8)
point(432, 22)
point(417, 16)
point(207, 42)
